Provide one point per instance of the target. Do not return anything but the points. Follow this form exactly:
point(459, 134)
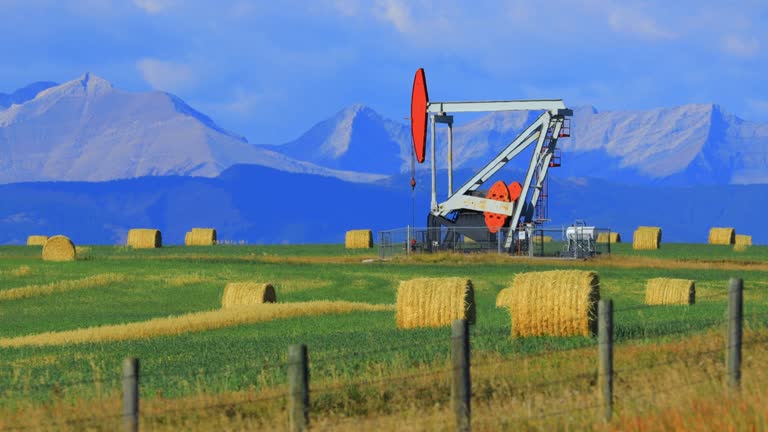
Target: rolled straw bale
point(145, 238)
point(646, 238)
point(552, 303)
point(358, 239)
point(59, 248)
point(247, 293)
point(744, 240)
point(434, 302)
point(665, 291)
point(606, 237)
point(722, 236)
point(200, 237)
point(36, 240)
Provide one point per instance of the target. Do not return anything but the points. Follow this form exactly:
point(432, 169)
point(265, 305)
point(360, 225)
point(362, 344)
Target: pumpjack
point(478, 214)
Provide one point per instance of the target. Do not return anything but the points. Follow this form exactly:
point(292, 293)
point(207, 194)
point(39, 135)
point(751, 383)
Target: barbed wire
point(218, 405)
point(220, 372)
point(651, 306)
point(62, 385)
point(342, 355)
point(398, 378)
point(655, 391)
point(403, 378)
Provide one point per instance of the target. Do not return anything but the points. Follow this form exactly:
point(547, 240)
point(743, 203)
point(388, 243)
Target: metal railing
point(532, 241)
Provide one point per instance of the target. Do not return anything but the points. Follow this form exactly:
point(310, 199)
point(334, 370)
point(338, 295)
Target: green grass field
point(343, 347)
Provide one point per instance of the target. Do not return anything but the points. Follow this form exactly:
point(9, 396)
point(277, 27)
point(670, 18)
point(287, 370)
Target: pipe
point(434, 174)
point(450, 159)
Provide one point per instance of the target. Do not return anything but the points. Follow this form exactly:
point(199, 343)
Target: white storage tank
point(581, 233)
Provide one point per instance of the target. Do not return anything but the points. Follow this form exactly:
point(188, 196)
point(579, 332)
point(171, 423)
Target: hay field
point(364, 344)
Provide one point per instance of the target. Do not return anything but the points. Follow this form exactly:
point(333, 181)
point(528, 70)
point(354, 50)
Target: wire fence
point(327, 391)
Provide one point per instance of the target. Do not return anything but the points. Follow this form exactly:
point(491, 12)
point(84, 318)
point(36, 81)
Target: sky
point(269, 70)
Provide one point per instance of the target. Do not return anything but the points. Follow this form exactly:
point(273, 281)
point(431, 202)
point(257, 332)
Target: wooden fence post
point(735, 328)
point(298, 388)
point(131, 395)
point(461, 387)
point(605, 359)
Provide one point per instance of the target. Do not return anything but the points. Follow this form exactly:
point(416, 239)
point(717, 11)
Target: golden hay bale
point(552, 303)
point(744, 240)
point(58, 248)
point(36, 240)
point(200, 237)
point(722, 236)
point(542, 239)
point(145, 238)
point(611, 237)
point(740, 248)
point(247, 293)
point(646, 238)
point(358, 239)
point(434, 302)
point(664, 291)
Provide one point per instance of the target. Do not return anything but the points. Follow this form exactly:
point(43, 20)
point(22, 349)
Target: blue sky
point(271, 69)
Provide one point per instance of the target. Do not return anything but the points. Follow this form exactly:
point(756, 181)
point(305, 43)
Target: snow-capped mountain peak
point(85, 129)
point(688, 144)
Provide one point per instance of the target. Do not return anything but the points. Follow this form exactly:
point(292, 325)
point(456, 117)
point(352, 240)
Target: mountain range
point(685, 145)
point(150, 159)
point(103, 212)
point(86, 130)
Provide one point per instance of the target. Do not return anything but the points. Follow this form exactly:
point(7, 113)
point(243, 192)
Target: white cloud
point(166, 75)
point(154, 6)
point(397, 13)
point(740, 47)
point(243, 102)
point(623, 20)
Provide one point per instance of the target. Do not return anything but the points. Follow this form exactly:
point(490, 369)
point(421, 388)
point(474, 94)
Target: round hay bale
point(59, 248)
point(358, 239)
point(646, 238)
point(200, 237)
point(743, 240)
point(434, 302)
point(722, 236)
point(247, 293)
point(145, 238)
point(609, 237)
point(665, 291)
point(552, 303)
point(36, 240)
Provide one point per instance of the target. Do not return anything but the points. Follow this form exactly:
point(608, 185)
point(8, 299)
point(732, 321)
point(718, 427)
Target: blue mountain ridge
point(24, 94)
point(263, 205)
